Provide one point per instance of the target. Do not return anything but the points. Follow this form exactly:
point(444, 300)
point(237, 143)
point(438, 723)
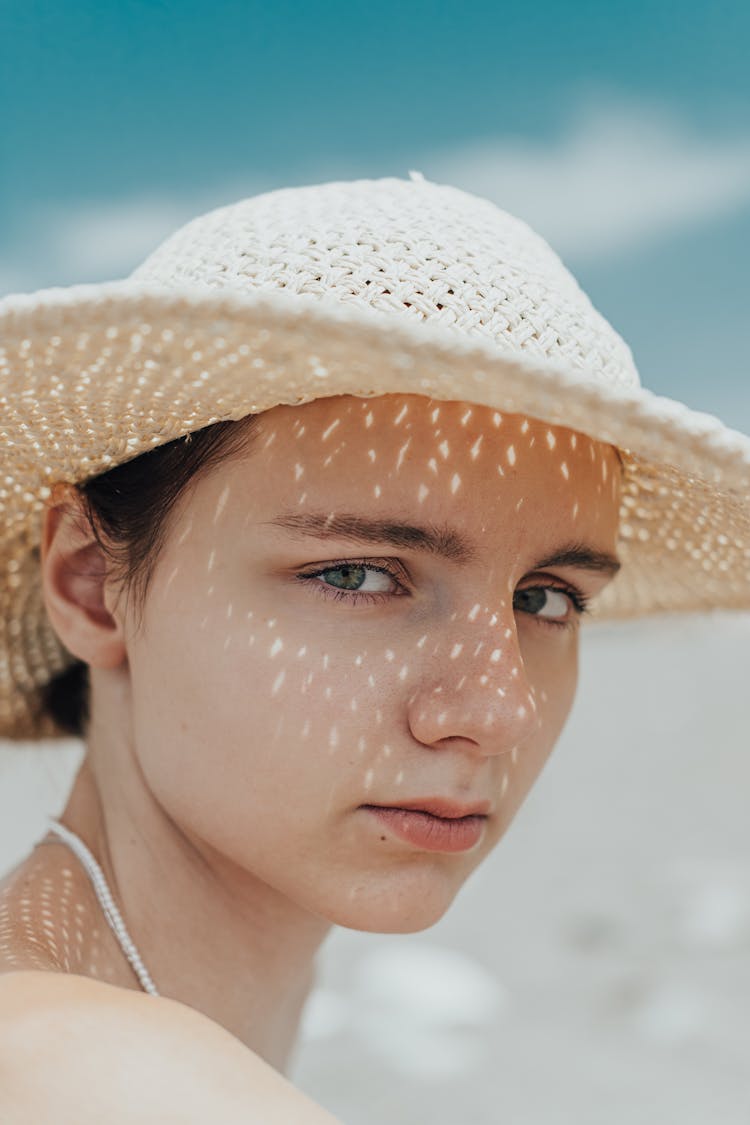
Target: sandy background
point(596, 969)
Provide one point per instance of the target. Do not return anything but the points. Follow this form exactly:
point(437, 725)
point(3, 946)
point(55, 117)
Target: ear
point(74, 580)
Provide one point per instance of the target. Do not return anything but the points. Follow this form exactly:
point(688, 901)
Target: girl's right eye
point(352, 572)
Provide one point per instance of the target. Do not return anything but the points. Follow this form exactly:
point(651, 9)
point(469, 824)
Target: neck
point(211, 935)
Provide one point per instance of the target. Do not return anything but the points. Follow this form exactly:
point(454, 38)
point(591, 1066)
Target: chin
point(395, 911)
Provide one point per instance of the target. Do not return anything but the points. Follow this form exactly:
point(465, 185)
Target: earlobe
point(74, 575)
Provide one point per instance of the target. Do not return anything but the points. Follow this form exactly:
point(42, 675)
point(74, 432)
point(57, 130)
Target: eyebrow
point(434, 539)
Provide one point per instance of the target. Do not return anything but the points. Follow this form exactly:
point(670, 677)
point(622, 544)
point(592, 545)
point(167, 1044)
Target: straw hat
point(363, 288)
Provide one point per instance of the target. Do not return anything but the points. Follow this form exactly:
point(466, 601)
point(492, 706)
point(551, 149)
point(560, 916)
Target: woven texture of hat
point(368, 287)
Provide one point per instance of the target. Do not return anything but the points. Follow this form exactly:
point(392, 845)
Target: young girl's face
point(359, 613)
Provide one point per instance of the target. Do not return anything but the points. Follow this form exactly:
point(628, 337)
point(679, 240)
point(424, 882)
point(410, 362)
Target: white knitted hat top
point(366, 288)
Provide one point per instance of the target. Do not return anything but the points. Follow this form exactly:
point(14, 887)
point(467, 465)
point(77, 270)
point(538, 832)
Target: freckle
point(564, 470)
point(455, 651)
point(455, 483)
point(495, 655)
point(423, 492)
point(276, 647)
point(511, 455)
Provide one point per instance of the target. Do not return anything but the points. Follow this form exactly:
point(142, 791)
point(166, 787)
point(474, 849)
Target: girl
point(306, 571)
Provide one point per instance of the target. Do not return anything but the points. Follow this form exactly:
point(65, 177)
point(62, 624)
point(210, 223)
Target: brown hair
point(131, 505)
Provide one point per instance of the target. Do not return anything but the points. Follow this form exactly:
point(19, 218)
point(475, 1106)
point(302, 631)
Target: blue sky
point(620, 131)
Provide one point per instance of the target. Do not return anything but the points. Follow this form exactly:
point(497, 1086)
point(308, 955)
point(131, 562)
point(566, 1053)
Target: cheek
point(552, 672)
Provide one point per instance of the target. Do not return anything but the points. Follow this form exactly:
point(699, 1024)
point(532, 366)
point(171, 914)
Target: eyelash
point(578, 599)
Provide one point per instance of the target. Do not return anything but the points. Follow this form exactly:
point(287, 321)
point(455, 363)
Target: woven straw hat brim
point(93, 375)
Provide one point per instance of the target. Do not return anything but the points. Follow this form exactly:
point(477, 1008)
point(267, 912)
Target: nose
point(475, 688)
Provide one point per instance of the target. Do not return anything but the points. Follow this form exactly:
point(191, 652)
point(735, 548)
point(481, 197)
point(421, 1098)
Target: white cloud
point(622, 174)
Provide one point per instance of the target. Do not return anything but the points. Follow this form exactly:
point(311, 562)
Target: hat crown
point(409, 247)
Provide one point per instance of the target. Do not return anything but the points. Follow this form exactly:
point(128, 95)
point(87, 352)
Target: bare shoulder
point(107, 1053)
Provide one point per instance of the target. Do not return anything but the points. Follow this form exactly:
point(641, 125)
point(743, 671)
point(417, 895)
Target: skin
point(239, 727)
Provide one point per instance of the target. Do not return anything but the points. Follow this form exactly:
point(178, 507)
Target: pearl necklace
point(103, 893)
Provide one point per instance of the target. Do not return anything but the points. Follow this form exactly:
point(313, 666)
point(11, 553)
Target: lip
point(442, 807)
point(427, 832)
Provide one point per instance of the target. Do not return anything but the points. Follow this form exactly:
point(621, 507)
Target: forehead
point(407, 433)
point(454, 463)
